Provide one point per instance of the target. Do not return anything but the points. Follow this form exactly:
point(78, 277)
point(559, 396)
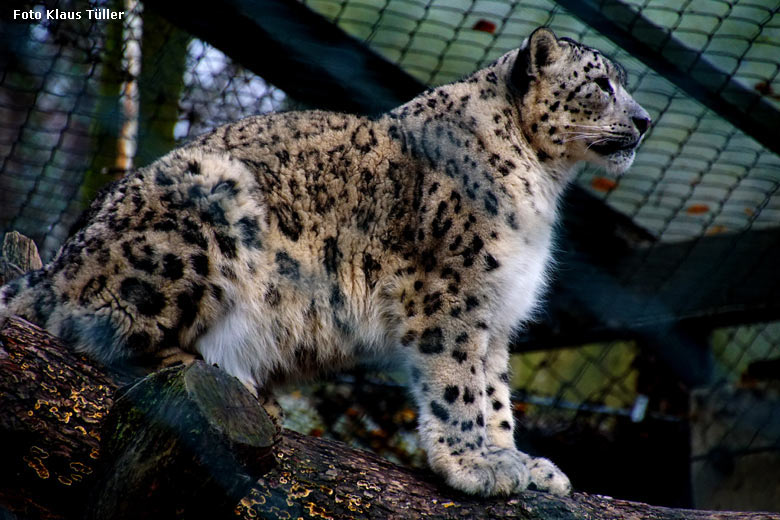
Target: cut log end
point(194, 422)
point(233, 413)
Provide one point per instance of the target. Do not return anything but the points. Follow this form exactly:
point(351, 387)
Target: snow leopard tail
point(33, 298)
point(21, 297)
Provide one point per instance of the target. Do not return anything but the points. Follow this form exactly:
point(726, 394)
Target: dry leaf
point(603, 184)
point(485, 26)
point(697, 209)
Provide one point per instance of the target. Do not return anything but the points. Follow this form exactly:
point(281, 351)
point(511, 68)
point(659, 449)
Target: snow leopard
point(288, 245)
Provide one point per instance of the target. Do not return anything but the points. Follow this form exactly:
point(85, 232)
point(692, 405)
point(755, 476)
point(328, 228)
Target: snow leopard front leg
point(500, 423)
point(449, 383)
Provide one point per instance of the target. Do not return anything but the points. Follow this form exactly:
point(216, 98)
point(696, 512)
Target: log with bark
point(191, 441)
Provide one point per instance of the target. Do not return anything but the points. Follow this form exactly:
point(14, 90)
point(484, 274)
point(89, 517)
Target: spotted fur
point(286, 245)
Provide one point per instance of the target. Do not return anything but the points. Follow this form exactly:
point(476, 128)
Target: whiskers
point(593, 134)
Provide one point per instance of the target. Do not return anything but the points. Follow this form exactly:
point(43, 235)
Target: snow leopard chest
point(526, 259)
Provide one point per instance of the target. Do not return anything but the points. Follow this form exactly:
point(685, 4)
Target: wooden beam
point(297, 50)
point(666, 295)
point(602, 293)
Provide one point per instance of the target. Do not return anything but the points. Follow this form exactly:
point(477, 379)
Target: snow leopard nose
point(641, 123)
point(640, 118)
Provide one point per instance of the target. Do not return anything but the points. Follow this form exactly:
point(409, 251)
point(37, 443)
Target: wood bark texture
point(189, 441)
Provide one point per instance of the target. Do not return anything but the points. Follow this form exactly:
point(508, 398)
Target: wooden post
point(18, 255)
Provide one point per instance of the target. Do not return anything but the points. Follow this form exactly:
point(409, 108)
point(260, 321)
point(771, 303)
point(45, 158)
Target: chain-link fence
point(70, 103)
point(82, 101)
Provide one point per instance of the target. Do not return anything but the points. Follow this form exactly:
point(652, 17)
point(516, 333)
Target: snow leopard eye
point(604, 84)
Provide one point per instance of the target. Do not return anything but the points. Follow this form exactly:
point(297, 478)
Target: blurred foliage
point(163, 57)
point(107, 121)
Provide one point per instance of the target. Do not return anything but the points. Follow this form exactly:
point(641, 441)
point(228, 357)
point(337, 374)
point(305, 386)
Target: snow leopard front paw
point(505, 471)
point(545, 476)
point(495, 471)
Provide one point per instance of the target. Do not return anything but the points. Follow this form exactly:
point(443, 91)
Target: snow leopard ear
point(539, 50)
point(543, 49)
